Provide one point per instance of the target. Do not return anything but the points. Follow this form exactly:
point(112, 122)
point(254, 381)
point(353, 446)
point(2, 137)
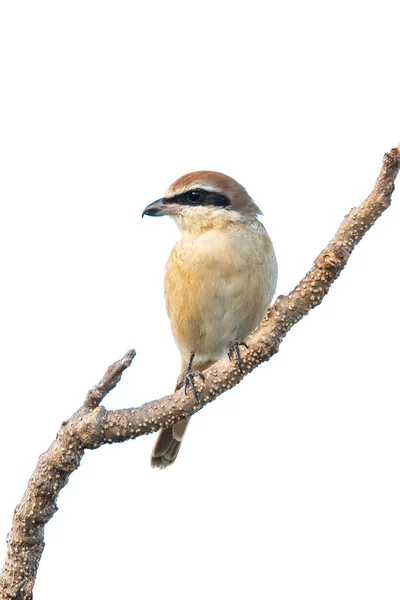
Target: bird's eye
point(194, 196)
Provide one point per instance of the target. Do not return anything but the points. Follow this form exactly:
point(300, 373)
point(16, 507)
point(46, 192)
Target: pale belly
point(218, 289)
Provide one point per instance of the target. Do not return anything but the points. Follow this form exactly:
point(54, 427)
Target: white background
point(288, 486)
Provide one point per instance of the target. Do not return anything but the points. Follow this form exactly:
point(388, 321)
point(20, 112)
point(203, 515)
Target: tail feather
point(168, 445)
point(169, 440)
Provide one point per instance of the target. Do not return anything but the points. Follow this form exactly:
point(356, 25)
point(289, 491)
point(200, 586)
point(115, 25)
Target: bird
point(219, 281)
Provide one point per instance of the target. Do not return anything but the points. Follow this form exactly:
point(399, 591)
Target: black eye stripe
point(200, 197)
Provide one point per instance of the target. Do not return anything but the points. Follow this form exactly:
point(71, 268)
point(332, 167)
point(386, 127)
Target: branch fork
point(92, 425)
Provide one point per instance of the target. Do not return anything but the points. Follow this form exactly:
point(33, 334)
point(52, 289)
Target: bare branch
point(92, 425)
point(38, 505)
point(111, 377)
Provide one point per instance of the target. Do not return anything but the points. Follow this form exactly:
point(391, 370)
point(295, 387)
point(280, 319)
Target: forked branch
point(92, 425)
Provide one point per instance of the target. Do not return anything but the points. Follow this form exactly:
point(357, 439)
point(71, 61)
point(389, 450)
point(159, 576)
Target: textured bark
point(92, 425)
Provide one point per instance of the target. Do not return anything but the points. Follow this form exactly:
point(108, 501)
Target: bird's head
point(203, 200)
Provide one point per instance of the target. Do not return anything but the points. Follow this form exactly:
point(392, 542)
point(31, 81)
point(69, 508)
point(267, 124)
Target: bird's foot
point(189, 382)
point(234, 352)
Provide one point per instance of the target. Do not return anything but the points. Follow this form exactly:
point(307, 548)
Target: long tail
point(169, 440)
point(168, 444)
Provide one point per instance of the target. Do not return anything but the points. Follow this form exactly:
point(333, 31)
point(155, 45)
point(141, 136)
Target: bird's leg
point(234, 352)
point(189, 378)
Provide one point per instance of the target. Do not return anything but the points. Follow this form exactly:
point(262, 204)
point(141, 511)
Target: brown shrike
point(219, 282)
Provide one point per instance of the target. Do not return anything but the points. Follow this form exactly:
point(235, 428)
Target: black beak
point(155, 209)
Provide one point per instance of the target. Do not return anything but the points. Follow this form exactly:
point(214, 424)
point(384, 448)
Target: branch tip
point(110, 379)
point(392, 158)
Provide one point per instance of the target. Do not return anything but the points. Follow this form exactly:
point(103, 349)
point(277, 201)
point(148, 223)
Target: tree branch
point(92, 425)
